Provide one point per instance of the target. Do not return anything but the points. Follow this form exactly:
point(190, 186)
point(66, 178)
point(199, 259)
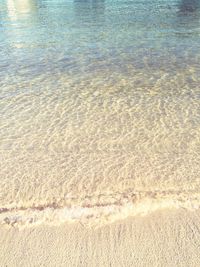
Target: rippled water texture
point(99, 105)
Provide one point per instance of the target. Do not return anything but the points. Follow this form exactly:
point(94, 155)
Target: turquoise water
point(79, 36)
point(99, 107)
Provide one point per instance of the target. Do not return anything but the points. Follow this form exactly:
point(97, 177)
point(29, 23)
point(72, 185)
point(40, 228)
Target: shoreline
point(99, 211)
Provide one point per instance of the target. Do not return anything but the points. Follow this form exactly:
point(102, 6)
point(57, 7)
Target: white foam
point(96, 214)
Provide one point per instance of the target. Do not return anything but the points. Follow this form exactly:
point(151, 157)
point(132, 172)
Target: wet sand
point(168, 237)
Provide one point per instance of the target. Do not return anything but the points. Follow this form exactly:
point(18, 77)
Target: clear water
point(99, 107)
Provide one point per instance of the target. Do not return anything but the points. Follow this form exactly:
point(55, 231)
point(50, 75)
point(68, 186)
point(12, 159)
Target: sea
point(99, 109)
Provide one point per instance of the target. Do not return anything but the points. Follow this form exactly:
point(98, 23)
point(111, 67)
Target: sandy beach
point(166, 238)
point(99, 133)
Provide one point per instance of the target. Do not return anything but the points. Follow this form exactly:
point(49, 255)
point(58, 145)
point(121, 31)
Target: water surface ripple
point(99, 108)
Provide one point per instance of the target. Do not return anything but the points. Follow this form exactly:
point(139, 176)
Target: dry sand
point(163, 238)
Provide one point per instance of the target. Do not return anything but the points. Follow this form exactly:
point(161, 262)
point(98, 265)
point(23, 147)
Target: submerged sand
point(169, 237)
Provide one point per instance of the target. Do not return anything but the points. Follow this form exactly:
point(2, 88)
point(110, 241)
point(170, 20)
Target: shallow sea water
point(99, 108)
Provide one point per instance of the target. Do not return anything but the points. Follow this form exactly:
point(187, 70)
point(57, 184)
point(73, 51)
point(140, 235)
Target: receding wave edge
point(98, 213)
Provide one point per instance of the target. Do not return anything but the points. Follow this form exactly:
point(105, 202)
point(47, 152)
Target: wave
point(137, 203)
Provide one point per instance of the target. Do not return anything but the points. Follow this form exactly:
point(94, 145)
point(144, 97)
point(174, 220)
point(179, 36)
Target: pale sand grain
point(165, 238)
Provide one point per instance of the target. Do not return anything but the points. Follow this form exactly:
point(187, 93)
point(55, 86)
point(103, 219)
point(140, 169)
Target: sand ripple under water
point(100, 147)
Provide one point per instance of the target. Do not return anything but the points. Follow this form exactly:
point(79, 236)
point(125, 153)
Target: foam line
point(96, 213)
